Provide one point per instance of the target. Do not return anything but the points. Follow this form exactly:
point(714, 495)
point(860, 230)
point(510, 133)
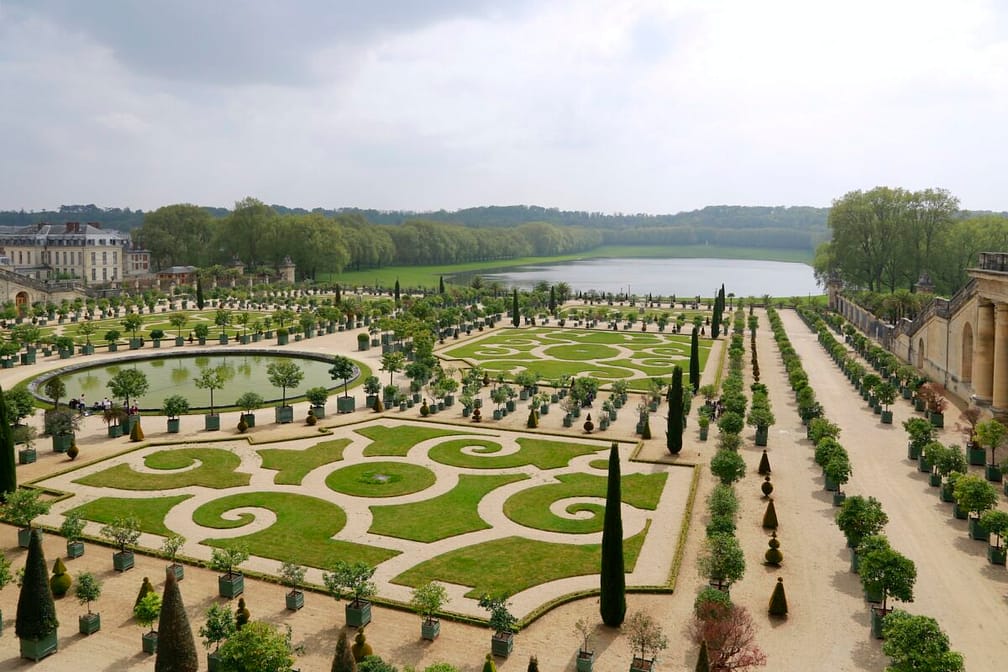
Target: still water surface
point(682, 277)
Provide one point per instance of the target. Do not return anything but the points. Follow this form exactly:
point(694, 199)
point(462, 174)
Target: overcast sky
point(617, 106)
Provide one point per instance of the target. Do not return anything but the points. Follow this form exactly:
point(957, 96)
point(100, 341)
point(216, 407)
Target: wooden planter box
point(27, 455)
point(249, 419)
point(211, 423)
point(642, 665)
point(502, 644)
point(877, 618)
point(37, 649)
point(149, 642)
point(993, 473)
point(122, 561)
point(88, 624)
point(61, 442)
point(345, 404)
point(358, 614)
point(977, 457)
point(75, 549)
point(174, 425)
point(179, 570)
point(431, 628)
point(585, 661)
point(231, 585)
point(977, 531)
point(284, 414)
point(294, 600)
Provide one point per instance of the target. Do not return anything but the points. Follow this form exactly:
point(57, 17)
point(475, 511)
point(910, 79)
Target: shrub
point(778, 600)
point(136, 433)
point(36, 611)
point(360, 649)
point(707, 599)
point(770, 516)
point(773, 555)
point(764, 464)
point(242, 614)
point(728, 466)
point(176, 650)
point(145, 589)
point(60, 581)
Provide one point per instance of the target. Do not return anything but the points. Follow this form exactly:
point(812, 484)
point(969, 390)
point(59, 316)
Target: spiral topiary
point(242, 614)
point(764, 464)
point(60, 581)
point(773, 556)
point(360, 649)
point(778, 600)
point(770, 516)
point(766, 486)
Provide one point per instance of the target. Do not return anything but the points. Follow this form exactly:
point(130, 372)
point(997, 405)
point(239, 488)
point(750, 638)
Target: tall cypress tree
point(675, 413)
point(715, 322)
point(8, 471)
point(441, 284)
point(199, 294)
point(176, 650)
point(552, 300)
point(339, 297)
point(397, 291)
point(694, 361)
point(36, 611)
point(515, 318)
point(612, 600)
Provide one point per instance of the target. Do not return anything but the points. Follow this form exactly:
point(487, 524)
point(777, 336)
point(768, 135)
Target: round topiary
point(60, 581)
point(764, 464)
point(360, 648)
point(778, 600)
point(589, 425)
point(73, 451)
point(476, 415)
point(242, 425)
point(242, 614)
point(770, 517)
point(311, 420)
point(145, 589)
point(766, 486)
point(424, 409)
point(773, 556)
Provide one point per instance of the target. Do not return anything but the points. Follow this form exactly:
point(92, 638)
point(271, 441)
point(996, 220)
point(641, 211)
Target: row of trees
point(886, 238)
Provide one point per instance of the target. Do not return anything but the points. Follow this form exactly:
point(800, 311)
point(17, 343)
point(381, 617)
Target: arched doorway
point(21, 302)
point(966, 366)
point(920, 353)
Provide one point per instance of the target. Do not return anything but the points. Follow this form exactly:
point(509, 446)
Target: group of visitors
point(81, 406)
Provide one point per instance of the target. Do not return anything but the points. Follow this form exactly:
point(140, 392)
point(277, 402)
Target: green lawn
point(151, 511)
point(509, 565)
point(396, 441)
point(531, 507)
point(380, 479)
point(293, 465)
point(301, 533)
point(216, 470)
point(542, 453)
point(426, 521)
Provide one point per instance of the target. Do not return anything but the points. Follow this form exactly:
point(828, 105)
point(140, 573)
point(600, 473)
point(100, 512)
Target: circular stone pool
point(174, 374)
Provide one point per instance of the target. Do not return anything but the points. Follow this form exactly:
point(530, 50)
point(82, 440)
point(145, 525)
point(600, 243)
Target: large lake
point(682, 277)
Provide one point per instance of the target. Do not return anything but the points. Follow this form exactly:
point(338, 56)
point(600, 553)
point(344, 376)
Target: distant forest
point(796, 228)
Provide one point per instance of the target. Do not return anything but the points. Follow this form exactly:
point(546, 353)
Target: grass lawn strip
point(302, 531)
point(539, 452)
point(426, 521)
point(380, 479)
point(216, 470)
point(151, 511)
point(510, 565)
point(293, 465)
point(531, 507)
point(396, 441)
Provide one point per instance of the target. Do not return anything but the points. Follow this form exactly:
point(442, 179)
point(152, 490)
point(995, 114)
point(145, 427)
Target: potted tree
point(889, 574)
point(343, 368)
point(838, 471)
point(112, 338)
point(427, 600)
point(950, 463)
point(761, 417)
point(283, 374)
point(248, 402)
point(974, 451)
point(146, 613)
point(317, 396)
point(974, 495)
point(122, 533)
point(36, 611)
point(858, 519)
point(178, 320)
point(22, 507)
point(72, 529)
point(226, 560)
point(502, 622)
point(219, 626)
point(995, 522)
point(171, 545)
point(885, 393)
point(721, 562)
point(646, 639)
point(293, 576)
point(352, 582)
point(992, 434)
point(372, 386)
point(920, 432)
point(132, 323)
point(202, 331)
point(156, 336)
point(27, 435)
point(60, 424)
point(88, 589)
point(174, 406)
point(585, 655)
point(210, 379)
point(114, 416)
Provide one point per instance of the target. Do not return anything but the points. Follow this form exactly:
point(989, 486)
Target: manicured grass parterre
point(397, 440)
point(302, 531)
point(150, 511)
point(380, 479)
point(540, 453)
point(426, 521)
point(210, 468)
point(293, 465)
point(507, 566)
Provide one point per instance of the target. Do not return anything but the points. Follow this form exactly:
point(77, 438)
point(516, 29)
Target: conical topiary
point(488, 664)
point(36, 611)
point(360, 649)
point(379, 407)
point(646, 431)
point(533, 665)
point(145, 589)
point(176, 649)
point(343, 660)
point(766, 486)
point(533, 419)
point(770, 516)
point(60, 581)
point(242, 613)
point(778, 600)
point(773, 555)
point(136, 434)
point(764, 464)
point(703, 660)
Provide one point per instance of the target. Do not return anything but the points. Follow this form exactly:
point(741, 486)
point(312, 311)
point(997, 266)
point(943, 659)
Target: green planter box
point(122, 561)
point(284, 414)
point(231, 585)
point(830, 484)
point(977, 457)
point(179, 341)
point(135, 344)
point(345, 404)
point(174, 425)
point(762, 434)
point(37, 649)
point(993, 473)
point(283, 339)
point(924, 464)
point(223, 339)
point(294, 600)
point(703, 433)
point(88, 624)
point(502, 644)
point(27, 455)
point(996, 555)
point(156, 342)
point(946, 493)
point(61, 442)
point(319, 411)
point(358, 613)
point(24, 536)
point(65, 354)
point(873, 595)
point(113, 347)
point(877, 618)
point(213, 662)
point(934, 480)
point(211, 423)
point(585, 661)
point(75, 549)
point(148, 641)
point(855, 561)
point(27, 357)
point(178, 569)
point(838, 498)
point(918, 404)
point(937, 419)
point(977, 531)
point(115, 431)
point(886, 417)
point(959, 513)
point(431, 628)
point(249, 419)
point(913, 452)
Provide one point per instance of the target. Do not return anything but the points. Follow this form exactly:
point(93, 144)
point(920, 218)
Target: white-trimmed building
point(85, 252)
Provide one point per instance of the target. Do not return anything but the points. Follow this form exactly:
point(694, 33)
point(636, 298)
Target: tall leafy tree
point(176, 650)
point(694, 360)
point(674, 432)
point(177, 234)
point(8, 470)
point(612, 598)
